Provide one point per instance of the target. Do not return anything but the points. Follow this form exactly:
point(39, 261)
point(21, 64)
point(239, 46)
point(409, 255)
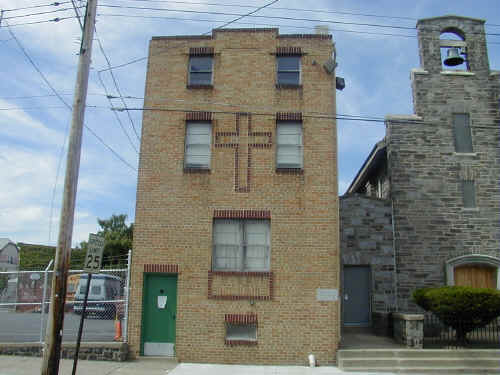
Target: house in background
point(424, 209)
point(9, 261)
point(236, 256)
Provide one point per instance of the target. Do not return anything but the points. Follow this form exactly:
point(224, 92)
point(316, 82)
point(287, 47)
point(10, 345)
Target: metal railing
point(460, 334)
point(25, 303)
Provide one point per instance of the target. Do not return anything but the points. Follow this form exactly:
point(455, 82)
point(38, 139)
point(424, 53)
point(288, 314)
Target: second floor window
point(289, 145)
point(200, 70)
point(198, 142)
point(288, 70)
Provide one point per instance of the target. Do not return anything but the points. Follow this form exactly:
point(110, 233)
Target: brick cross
point(243, 140)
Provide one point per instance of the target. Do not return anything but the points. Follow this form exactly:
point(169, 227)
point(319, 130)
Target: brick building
point(438, 172)
point(235, 254)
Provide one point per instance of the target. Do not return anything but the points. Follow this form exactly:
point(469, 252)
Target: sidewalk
point(12, 365)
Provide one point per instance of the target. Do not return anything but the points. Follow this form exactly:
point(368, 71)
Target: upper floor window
point(200, 70)
point(462, 132)
point(198, 144)
point(289, 149)
point(241, 245)
point(288, 70)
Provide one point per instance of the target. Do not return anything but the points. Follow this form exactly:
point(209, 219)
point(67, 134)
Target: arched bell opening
point(453, 49)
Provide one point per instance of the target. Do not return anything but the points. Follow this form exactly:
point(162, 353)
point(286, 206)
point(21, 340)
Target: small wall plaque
point(327, 294)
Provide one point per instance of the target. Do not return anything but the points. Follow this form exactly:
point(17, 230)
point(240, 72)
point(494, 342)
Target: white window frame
point(190, 125)
point(280, 126)
point(241, 246)
point(299, 71)
point(211, 71)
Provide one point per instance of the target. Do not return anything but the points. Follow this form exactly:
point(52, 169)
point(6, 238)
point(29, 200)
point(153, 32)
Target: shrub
point(460, 307)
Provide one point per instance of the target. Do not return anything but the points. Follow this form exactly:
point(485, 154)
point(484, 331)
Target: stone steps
point(421, 361)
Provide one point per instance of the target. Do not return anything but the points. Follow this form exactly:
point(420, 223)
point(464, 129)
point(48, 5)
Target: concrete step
point(426, 370)
point(418, 353)
point(369, 363)
point(425, 361)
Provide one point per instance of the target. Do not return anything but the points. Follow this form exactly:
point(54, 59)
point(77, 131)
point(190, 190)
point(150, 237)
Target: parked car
point(104, 290)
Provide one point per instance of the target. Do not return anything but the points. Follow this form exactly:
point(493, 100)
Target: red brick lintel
point(242, 214)
point(161, 268)
point(289, 116)
point(241, 318)
point(198, 116)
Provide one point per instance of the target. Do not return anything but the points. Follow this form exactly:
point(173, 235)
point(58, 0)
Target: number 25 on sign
point(93, 258)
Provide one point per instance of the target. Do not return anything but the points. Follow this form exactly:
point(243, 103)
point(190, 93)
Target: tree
point(460, 307)
point(117, 240)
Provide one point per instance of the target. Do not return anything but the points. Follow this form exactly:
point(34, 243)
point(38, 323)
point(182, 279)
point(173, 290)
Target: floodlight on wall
point(453, 57)
point(330, 65)
point(339, 83)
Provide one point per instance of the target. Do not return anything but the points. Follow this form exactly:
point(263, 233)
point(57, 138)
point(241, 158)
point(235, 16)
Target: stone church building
point(424, 209)
point(236, 252)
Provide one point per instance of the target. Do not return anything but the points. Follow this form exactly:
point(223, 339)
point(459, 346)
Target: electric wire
point(57, 3)
point(37, 14)
point(42, 75)
point(245, 15)
point(57, 19)
point(117, 87)
point(77, 14)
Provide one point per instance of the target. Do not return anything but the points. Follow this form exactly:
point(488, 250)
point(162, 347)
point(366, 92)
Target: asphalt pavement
point(11, 365)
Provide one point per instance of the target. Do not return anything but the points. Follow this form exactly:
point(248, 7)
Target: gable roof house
point(236, 235)
point(9, 255)
point(431, 188)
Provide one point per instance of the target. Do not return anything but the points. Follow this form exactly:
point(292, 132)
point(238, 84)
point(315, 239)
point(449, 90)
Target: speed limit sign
point(93, 258)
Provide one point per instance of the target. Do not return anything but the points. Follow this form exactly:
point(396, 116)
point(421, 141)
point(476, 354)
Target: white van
point(104, 290)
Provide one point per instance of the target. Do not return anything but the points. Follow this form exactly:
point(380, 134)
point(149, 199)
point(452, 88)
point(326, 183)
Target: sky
point(38, 73)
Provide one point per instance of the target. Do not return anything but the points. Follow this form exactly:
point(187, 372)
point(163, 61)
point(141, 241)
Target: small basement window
point(246, 332)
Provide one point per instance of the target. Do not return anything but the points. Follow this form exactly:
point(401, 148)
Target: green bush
point(460, 307)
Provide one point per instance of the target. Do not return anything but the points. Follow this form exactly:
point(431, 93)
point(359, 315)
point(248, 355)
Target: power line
point(36, 6)
point(57, 19)
point(259, 16)
point(246, 15)
point(77, 14)
point(117, 87)
point(38, 14)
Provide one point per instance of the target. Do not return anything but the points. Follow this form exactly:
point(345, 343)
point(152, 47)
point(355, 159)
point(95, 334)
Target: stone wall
point(409, 329)
point(366, 239)
point(96, 351)
point(431, 223)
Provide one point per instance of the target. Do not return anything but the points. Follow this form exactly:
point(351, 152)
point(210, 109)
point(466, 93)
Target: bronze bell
point(453, 57)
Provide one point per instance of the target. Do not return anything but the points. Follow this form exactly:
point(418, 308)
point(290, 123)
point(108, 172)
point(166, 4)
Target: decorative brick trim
point(161, 268)
point(188, 170)
point(242, 214)
point(254, 30)
point(233, 297)
point(305, 36)
point(242, 319)
point(199, 116)
point(289, 116)
point(236, 145)
point(240, 342)
point(177, 37)
point(298, 171)
point(201, 51)
point(287, 86)
point(288, 51)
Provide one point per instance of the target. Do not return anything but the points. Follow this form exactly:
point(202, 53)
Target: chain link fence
point(25, 303)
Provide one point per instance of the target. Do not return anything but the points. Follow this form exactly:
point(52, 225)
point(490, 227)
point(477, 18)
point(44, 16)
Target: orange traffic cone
point(118, 329)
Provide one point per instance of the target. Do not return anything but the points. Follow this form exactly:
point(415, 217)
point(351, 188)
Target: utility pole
point(53, 337)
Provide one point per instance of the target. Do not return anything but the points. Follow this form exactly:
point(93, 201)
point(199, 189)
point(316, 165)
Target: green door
point(160, 308)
